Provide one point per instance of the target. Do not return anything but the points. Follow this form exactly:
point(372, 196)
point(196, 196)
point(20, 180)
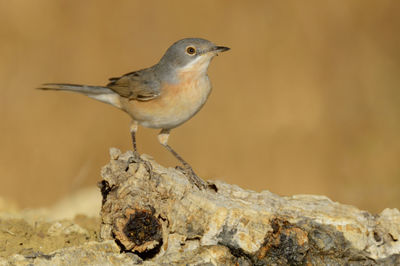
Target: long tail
point(102, 94)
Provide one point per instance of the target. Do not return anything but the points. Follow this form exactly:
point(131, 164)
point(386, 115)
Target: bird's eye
point(191, 50)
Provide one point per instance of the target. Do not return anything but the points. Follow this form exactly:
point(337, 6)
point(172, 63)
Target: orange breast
point(176, 104)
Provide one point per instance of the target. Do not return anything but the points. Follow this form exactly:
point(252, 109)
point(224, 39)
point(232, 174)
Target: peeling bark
point(158, 215)
point(151, 215)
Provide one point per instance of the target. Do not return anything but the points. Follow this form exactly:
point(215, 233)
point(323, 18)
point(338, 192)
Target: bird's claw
point(193, 178)
point(135, 158)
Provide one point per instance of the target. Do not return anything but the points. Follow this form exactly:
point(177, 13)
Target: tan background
point(307, 100)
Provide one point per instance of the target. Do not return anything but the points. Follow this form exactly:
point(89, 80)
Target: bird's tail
point(99, 93)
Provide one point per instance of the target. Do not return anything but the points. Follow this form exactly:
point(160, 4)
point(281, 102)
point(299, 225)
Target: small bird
point(163, 96)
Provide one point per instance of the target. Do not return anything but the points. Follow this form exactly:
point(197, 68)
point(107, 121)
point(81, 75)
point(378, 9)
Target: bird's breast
point(176, 104)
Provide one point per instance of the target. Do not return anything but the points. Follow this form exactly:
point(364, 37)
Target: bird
point(163, 96)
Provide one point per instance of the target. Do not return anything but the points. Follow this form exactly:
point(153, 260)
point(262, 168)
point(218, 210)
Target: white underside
point(110, 98)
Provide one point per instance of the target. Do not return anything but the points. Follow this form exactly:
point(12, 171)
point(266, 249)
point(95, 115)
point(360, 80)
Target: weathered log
point(157, 214)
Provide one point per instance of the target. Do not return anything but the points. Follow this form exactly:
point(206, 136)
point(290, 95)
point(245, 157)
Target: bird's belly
point(175, 105)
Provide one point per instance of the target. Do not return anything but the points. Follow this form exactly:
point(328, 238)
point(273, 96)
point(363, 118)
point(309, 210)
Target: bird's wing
point(142, 85)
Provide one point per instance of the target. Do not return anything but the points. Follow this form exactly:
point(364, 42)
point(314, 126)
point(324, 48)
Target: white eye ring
point(190, 50)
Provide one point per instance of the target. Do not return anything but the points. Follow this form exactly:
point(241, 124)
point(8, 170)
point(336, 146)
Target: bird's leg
point(163, 139)
point(136, 156)
point(133, 129)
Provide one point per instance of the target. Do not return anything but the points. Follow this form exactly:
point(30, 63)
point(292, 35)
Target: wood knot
point(139, 230)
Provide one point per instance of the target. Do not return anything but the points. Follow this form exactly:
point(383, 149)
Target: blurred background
point(306, 102)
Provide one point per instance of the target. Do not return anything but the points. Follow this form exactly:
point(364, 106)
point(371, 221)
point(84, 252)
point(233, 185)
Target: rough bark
point(151, 215)
point(159, 216)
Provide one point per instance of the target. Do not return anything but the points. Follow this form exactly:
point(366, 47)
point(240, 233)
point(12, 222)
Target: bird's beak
point(220, 49)
point(217, 49)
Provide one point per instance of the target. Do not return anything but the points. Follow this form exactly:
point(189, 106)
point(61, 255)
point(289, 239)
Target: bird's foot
point(193, 178)
point(137, 159)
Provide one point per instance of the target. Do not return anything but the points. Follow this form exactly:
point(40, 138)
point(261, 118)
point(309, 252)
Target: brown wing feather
point(141, 85)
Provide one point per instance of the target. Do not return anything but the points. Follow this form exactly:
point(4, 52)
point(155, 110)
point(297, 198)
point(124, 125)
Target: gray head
point(187, 51)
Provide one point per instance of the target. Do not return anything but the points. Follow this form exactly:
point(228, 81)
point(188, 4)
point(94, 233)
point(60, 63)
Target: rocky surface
point(151, 215)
